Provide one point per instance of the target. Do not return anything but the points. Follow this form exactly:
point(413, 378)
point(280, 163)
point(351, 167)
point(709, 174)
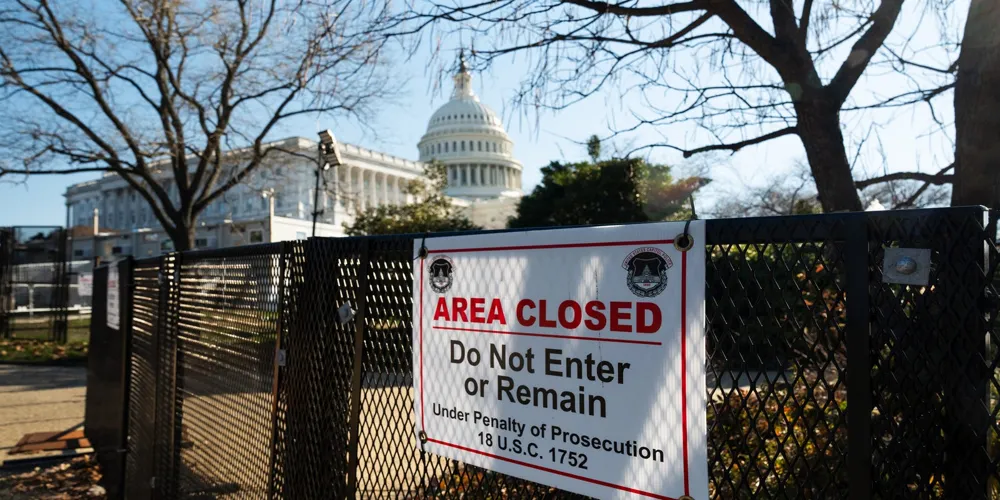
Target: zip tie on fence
point(422, 436)
point(684, 241)
point(423, 248)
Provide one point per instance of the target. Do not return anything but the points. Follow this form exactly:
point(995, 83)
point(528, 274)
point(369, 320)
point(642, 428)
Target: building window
point(479, 144)
point(454, 146)
point(78, 253)
point(439, 147)
point(200, 242)
point(257, 236)
point(464, 179)
point(494, 147)
point(463, 145)
point(116, 250)
point(446, 147)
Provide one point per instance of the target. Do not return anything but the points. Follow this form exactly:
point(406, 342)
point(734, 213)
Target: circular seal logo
point(441, 271)
point(647, 271)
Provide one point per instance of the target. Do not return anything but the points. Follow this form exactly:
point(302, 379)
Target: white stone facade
point(464, 134)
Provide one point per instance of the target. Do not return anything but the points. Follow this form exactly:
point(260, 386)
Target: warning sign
point(569, 357)
point(114, 309)
point(85, 285)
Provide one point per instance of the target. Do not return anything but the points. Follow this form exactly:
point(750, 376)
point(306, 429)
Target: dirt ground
point(39, 399)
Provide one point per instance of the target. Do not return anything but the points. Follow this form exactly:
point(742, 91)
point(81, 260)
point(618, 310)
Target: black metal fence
point(34, 283)
point(824, 381)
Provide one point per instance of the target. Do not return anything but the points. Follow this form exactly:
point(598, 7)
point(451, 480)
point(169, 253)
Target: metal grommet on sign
point(422, 436)
point(684, 241)
point(685, 497)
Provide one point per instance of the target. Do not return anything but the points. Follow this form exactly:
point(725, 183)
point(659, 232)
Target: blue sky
point(908, 140)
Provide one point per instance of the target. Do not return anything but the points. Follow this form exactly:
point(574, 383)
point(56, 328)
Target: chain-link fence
point(36, 283)
point(823, 380)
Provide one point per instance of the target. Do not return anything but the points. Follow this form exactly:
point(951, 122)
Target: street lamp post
point(269, 195)
point(329, 156)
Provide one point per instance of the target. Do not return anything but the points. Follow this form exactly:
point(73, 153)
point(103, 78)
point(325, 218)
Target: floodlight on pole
point(329, 156)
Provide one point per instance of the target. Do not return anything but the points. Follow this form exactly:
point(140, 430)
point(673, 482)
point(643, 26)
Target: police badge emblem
point(647, 271)
point(442, 271)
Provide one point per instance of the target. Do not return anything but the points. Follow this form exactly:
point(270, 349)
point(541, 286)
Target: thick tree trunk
point(183, 236)
point(819, 130)
point(977, 109)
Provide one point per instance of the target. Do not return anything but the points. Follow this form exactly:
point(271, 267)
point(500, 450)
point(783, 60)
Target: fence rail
point(238, 380)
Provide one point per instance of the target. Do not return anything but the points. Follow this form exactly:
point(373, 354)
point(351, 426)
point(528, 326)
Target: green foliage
point(431, 211)
point(607, 192)
point(594, 148)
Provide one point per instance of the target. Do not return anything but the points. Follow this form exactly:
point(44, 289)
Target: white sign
point(85, 285)
point(570, 357)
point(114, 309)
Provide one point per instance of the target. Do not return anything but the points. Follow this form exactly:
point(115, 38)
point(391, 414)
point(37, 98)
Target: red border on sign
point(684, 426)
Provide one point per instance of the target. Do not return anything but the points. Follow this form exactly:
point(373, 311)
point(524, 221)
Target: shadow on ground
point(19, 378)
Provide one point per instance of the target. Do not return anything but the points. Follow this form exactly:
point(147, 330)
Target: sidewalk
point(39, 399)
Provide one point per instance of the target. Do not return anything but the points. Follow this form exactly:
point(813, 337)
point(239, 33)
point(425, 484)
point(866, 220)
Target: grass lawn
point(40, 328)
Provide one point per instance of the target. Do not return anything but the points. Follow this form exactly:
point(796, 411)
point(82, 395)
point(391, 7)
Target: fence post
point(59, 298)
point(859, 363)
point(962, 281)
point(285, 255)
point(127, 288)
point(163, 480)
point(356, 377)
point(177, 381)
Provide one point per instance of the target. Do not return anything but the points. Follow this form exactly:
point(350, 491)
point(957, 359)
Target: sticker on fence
point(85, 285)
point(113, 309)
point(571, 357)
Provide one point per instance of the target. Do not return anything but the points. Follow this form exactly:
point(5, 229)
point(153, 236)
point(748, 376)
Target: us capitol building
point(464, 134)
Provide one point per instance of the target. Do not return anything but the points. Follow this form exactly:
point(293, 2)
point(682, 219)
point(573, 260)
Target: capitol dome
point(468, 137)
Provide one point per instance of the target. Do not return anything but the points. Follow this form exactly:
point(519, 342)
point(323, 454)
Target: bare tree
point(156, 91)
point(751, 71)
point(795, 194)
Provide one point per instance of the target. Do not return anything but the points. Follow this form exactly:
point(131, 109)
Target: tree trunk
point(819, 130)
point(183, 236)
point(977, 109)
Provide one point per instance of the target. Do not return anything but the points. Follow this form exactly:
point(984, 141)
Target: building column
point(385, 189)
point(394, 189)
point(373, 188)
point(408, 198)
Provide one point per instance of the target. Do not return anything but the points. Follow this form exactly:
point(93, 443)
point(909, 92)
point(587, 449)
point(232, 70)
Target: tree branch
point(736, 146)
point(619, 9)
point(938, 179)
point(883, 19)
point(27, 171)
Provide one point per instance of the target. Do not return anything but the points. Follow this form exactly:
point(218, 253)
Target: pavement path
point(39, 399)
